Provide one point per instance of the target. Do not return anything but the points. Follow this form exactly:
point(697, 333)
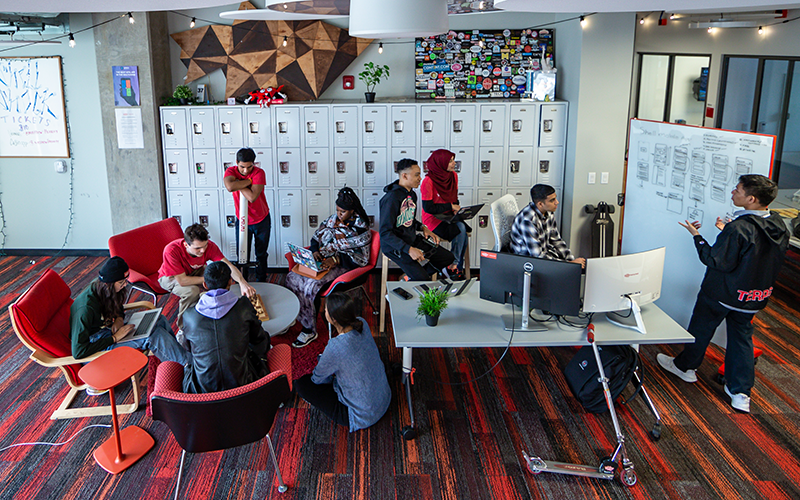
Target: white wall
point(35, 198)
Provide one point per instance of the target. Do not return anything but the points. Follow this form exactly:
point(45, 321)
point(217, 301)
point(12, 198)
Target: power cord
point(55, 444)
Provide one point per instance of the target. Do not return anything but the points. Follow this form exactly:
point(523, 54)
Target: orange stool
point(104, 373)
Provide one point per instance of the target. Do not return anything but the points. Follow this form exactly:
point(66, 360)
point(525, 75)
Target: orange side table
point(104, 373)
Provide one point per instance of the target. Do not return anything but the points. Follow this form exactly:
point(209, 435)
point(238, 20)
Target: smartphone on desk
point(402, 293)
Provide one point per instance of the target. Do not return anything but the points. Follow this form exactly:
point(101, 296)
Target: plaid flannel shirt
point(536, 235)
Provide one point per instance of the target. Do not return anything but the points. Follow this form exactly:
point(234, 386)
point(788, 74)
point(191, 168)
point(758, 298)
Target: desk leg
point(408, 432)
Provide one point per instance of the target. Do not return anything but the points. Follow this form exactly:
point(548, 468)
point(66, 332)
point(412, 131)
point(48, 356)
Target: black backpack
point(619, 364)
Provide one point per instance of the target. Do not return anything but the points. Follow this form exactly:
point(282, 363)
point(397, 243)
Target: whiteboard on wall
point(32, 114)
point(677, 173)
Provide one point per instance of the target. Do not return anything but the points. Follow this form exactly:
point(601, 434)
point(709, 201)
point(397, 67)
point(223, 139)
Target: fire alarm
point(348, 82)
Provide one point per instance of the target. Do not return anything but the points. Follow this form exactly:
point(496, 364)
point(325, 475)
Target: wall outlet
point(592, 178)
point(61, 166)
point(604, 178)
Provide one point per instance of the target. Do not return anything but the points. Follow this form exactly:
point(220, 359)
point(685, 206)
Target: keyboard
point(144, 325)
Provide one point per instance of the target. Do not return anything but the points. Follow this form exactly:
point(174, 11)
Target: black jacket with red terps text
point(744, 261)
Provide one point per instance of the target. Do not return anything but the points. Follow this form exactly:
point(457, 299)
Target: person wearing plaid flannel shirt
point(534, 232)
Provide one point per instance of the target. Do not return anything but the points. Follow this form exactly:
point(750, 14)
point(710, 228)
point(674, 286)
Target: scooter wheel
point(532, 469)
point(607, 466)
point(655, 433)
point(408, 433)
point(628, 477)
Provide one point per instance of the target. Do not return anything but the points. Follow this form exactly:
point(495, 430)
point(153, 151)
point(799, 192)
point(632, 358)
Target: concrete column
point(135, 176)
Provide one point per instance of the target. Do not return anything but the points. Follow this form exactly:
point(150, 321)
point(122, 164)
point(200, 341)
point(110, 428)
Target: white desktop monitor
point(620, 285)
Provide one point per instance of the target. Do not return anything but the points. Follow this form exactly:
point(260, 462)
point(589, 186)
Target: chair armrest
point(135, 305)
point(169, 378)
point(45, 359)
point(279, 358)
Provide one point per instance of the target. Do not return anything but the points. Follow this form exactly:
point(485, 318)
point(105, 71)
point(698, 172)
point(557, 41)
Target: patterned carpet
point(470, 439)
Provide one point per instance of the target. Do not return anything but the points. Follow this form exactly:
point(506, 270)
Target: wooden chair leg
point(64, 410)
point(466, 261)
point(382, 297)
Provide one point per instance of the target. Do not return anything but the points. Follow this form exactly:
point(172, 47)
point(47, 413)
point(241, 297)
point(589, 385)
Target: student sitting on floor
point(349, 384)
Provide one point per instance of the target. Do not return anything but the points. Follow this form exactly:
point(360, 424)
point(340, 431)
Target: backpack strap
point(637, 381)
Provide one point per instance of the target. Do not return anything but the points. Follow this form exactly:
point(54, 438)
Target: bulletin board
point(475, 64)
point(32, 113)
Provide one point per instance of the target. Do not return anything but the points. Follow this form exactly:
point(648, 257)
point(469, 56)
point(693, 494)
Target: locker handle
point(544, 166)
point(169, 128)
point(369, 167)
point(458, 125)
point(286, 220)
point(427, 126)
point(197, 127)
point(487, 125)
point(547, 125)
point(226, 128)
point(398, 126)
point(312, 167)
point(340, 127)
point(340, 167)
point(514, 166)
point(203, 219)
point(486, 166)
point(283, 127)
point(313, 220)
point(516, 125)
point(253, 127)
point(369, 127)
point(284, 167)
point(311, 127)
point(457, 168)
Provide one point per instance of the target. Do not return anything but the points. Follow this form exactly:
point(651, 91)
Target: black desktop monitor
point(555, 285)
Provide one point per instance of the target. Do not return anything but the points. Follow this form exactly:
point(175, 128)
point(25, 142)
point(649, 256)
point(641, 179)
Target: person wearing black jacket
point(399, 227)
point(742, 267)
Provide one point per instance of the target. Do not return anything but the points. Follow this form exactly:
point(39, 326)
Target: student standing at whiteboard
point(534, 232)
point(741, 268)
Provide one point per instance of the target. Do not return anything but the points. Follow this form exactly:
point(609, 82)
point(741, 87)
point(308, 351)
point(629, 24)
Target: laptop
point(144, 321)
point(466, 213)
point(305, 257)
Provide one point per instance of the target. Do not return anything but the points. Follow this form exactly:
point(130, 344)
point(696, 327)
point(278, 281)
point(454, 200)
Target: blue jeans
point(161, 341)
point(259, 232)
point(456, 234)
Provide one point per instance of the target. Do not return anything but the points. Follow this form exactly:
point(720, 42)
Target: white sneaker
point(181, 338)
point(91, 391)
point(304, 339)
point(739, 401)
point(668, 363)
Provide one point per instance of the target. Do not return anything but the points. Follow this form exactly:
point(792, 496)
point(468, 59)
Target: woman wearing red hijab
point(439, 193)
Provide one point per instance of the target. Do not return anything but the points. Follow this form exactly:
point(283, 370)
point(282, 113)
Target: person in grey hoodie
point(225, 337)
point(349, 383)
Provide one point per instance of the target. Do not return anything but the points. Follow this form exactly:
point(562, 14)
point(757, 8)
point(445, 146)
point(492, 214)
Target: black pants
point(739, 363)
point(323, 398)
point(438, 260)
point(260, 232)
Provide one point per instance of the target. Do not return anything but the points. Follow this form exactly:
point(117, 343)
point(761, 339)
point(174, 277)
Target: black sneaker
point(304, 339)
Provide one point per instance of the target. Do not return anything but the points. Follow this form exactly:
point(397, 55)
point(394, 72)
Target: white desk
point(280, 303)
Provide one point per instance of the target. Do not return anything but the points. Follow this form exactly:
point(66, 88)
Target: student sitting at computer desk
point(534, 232)
point(97, 319)
point(341, 243)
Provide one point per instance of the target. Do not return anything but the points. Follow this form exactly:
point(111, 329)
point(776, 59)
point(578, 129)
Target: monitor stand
point(523, 323)
point(632, 320)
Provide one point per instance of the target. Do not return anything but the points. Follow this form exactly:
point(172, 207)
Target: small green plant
point(182, 92)
point(372, 75)
point(432, 302)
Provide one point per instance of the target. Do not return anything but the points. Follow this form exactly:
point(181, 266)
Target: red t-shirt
point(257, 210)
point(178, 261)
point(428, 192)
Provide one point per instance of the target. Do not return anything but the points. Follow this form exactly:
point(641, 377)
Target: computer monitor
point(620, 285)
point(555, 286)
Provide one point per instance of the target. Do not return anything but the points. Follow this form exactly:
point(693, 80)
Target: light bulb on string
point(710, 29)
point(130, 18)
point(583, 22)
point(285, 41)
point(191, 24)
point(760, 30)
point(71, 41)
point(672, 16)
point(380, 48)
point(641, 20)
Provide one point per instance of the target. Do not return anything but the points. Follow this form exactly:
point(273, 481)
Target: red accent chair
point(143, 249)
point(220, 420)
point(40, 318)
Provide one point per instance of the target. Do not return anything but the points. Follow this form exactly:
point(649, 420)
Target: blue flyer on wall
point(126, 85)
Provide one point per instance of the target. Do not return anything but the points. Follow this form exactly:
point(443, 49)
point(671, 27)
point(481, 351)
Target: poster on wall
point(32, 114)
point(479, 64)
point(126, 85)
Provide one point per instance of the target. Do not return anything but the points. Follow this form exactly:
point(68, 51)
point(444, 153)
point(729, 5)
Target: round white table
point(280, 303)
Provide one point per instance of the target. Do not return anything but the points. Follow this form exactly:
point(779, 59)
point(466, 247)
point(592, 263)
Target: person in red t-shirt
point(439, 193)
point(184, 262)
point(249, 180)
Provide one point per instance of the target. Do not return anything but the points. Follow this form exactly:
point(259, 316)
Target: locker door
point(523, 125)
point(228, 157)
point(374, 171)
point(404, 126)
point(550, 166)
point(318, 168)
point(179, 206)
point(264, 161)
point(345, 165)
point(553, 124)
point(287, 126)
point(290, 168)
point(462, 125)
point(370, 200)
point(345, 126)
point(259, 128)
point(205, 171)
point(434, 126)
point(520, 166)
point(316, 127)
point(465, 165)
point(490, 167)
point(177, 165)
point(482, 225)
point(399, 154)
point(231, 134)
point(173, 128)
point(202, 128)
point(424, 154)
point(318, 208)
point(208, 212)
point(373, 123)
point(230, 227)
point(289, 221)
point(492, 125)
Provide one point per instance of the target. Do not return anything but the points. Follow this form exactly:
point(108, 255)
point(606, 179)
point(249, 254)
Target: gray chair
point(503, 211)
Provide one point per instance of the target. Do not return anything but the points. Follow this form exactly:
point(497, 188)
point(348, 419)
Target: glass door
point(672, 88)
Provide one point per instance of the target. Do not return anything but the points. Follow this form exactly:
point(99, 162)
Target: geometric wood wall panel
point(252, 55)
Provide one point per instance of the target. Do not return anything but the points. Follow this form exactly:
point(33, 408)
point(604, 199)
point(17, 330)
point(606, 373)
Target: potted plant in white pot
point(371, 76)
point(431, 304)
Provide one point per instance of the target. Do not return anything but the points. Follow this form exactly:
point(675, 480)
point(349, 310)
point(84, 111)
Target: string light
point(191, 24)
point(672, 16)
point(71, 40)
point(710, 29)
point(583, 22)
point(641, 20)
point(130, 18)
point(380, 48)
point(285, 41)
point(760, 30)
